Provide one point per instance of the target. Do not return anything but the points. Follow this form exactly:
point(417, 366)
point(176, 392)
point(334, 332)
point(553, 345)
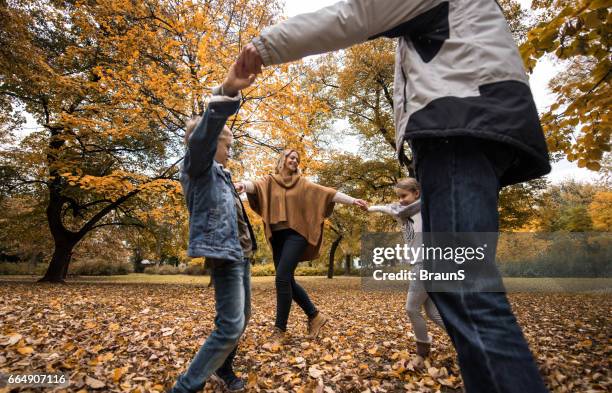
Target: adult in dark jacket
point(463, 102)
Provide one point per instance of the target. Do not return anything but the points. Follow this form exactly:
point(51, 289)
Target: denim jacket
point(209, 191)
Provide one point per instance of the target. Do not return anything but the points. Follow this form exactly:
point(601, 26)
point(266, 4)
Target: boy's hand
point(249, 62)
point(361, 203)
point(240, 187)
point(234, 83)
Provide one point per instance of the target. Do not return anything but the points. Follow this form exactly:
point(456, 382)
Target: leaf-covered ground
point(138, 337)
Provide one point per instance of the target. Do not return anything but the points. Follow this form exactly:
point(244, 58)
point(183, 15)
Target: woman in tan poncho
point(293, 210)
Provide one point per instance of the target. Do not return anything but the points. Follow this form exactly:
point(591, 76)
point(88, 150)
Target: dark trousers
point(287, 247)
point(459, 179)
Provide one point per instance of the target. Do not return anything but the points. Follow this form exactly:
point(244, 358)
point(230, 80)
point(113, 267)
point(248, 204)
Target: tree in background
point(569, 207)
point(111, 85)
point(519, 203)
point(371, 180)
point(578, 33)
point(600, 211)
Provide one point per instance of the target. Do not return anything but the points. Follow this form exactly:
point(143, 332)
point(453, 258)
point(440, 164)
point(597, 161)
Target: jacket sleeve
point(406, 212)
point(249, 187)
point(202, 144)
point(387, 209)
point(341, 197)
point(336, 27)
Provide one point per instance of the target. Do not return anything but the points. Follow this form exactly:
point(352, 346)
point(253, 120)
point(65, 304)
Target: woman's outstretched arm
point(341, 197)
point(245, 186)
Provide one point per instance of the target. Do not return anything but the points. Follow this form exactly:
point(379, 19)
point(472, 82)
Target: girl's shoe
point(423, 349)
point(315, 324)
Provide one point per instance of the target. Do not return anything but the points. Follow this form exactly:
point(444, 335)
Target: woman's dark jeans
point(287, 247)
point(459, 179)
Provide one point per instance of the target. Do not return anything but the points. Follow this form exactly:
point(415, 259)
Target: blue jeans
point(232, 282)
point(459, 179)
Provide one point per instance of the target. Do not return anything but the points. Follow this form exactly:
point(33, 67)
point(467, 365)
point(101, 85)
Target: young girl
point(407, 212)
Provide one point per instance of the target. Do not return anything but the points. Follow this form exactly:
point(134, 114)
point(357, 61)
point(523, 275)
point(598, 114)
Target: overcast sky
point(543, 72)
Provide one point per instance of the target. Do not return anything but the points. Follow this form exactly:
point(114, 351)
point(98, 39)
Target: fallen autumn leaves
point(137, 338)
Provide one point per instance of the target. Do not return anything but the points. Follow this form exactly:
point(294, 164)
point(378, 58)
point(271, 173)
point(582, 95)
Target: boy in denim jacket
point(219, 230)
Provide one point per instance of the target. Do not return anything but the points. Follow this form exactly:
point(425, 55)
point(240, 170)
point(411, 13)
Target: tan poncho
point(302, 204)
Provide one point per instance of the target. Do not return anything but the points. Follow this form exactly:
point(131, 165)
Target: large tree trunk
point(63, 239)
point(332, 253)
point(58, 268)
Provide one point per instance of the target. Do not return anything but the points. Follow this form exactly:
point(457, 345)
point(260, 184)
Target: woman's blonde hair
point(281, 160)
point(191, 124)
point(408, 184)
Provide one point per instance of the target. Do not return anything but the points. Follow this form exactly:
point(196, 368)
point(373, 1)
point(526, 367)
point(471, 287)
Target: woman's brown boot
point(315, 324)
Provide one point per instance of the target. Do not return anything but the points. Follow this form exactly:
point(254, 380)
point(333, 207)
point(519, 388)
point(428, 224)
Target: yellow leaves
point(17, 340)
point(600, 211)
point(252, 380)
point(118, 373)
point(272, 347)
point(593, 165)
point(596, 4)
point(90, 325)
point(141, 365)
point(25, 350)
point(546, 40)
point(593, 20)
point(374, 351)
point(106, 357)
point(96, 348)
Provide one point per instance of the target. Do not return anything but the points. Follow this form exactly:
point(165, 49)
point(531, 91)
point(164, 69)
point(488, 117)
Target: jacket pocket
point(211, 223)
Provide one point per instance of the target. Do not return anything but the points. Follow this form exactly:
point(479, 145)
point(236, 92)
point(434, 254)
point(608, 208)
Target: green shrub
point(99, 267)
point(311, 271)
point(162, 269)
point(267, 269)
point(22, 268)
point(567, 255)
point(195, 270)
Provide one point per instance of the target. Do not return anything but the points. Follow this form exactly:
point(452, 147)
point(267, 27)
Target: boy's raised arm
point(203, 141)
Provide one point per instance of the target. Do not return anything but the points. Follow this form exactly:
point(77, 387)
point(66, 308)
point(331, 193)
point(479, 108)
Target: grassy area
point(513, 284)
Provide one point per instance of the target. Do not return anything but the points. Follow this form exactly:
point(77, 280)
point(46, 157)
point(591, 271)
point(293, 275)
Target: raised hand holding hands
point(363, 205)
point(234, 81)
point(249, 62)
point(240, 187)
